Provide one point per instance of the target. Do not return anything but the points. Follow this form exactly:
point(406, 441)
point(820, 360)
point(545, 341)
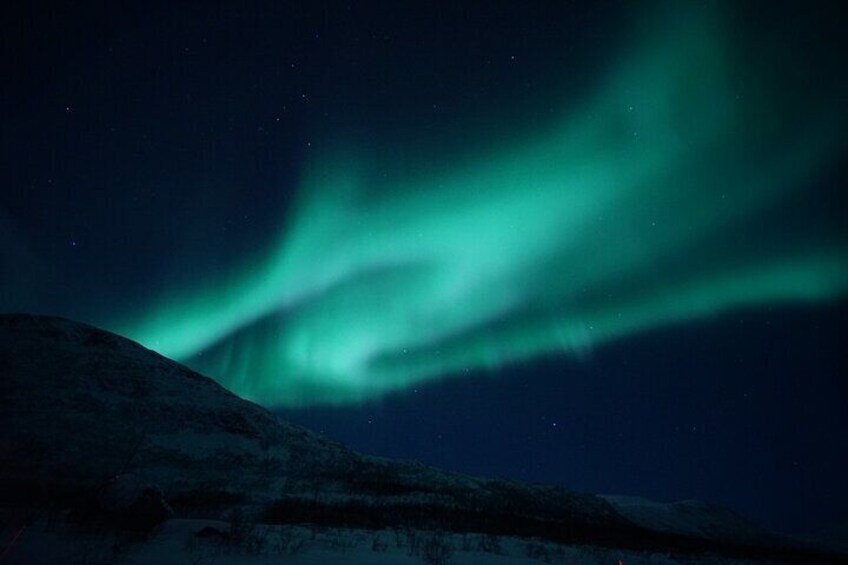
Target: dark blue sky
point(143, 145)
point(746, 410)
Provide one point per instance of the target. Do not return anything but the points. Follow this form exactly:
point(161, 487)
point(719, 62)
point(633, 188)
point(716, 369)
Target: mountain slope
point(93, 405)
point(688, 517)
point(79, 406)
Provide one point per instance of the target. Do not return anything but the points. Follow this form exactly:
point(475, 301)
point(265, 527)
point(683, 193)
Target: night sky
point(593, 244)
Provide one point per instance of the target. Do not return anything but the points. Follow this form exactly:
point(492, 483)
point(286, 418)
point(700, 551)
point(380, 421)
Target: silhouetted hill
point(80, 406)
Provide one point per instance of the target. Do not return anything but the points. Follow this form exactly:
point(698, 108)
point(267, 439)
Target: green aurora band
point(658, 199)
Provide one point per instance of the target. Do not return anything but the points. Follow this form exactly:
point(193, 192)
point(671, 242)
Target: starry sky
point(596, 244)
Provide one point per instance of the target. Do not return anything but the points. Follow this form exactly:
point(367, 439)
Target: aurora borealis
point(602, 245)
point(644, 206)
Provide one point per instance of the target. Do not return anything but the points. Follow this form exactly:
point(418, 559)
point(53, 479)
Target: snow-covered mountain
point(80, 406)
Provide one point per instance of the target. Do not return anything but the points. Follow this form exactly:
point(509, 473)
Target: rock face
point(87, 415)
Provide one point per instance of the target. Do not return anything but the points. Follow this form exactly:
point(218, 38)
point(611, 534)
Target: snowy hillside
point(94, 405)
point(688, 517)
point(81, 410)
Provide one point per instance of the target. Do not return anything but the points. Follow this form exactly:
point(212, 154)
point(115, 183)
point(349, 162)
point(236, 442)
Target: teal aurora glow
point(661, 197)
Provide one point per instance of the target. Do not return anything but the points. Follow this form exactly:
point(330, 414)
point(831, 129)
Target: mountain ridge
point(81, 405)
